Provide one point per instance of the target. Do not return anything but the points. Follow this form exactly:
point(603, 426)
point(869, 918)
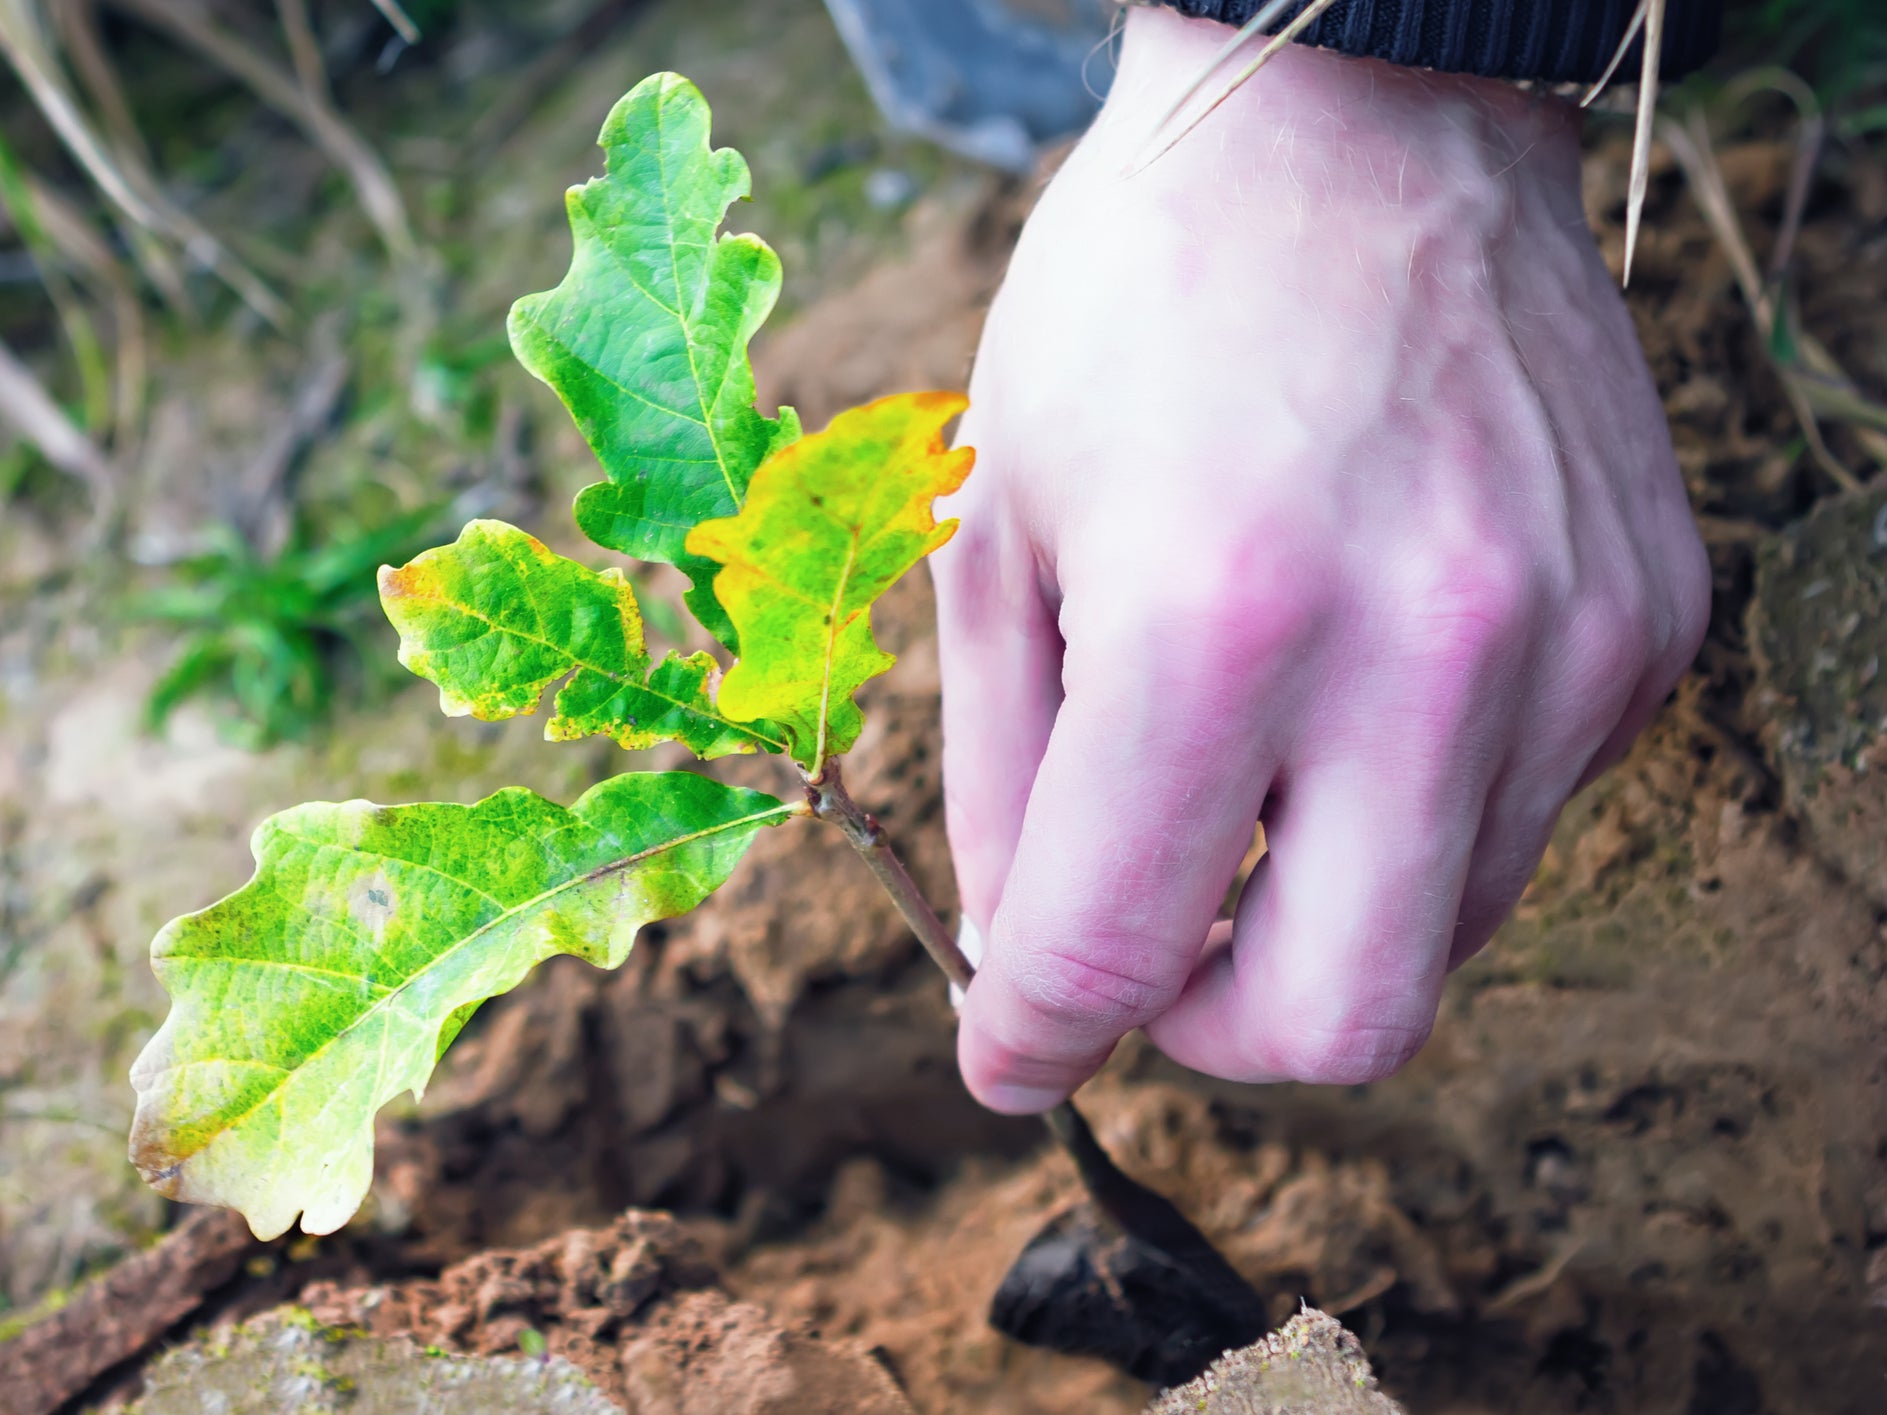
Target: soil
point(636, 1309)
point(1641, 1167)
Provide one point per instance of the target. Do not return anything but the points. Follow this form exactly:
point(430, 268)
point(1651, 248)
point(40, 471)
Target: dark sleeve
point(1563, 41)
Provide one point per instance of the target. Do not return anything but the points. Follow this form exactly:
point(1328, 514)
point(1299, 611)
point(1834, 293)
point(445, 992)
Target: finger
point(1341, 940)
point(1609, 681)
point(1001, 660)
point(1514, 836)
point(1667, 641)
point(1140, 814)
point(1589, 694)
point(1650, 697)
point(1523, 809)
point(1340, 945)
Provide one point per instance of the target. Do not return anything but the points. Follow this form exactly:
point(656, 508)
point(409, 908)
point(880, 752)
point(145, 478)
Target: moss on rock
point(276, 1363)
point(1818, 629)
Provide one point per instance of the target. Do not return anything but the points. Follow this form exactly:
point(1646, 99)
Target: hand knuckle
point(982, 575)
point(1345, 1050)
point(1693, 588)
point(1611, 644)
point(1244, 611)
point(1324, 1030)
point(1634, 618)
point(1108, 983)
point(1466, 606)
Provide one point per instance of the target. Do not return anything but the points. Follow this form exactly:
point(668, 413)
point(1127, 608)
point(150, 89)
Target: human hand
point(1320, 476)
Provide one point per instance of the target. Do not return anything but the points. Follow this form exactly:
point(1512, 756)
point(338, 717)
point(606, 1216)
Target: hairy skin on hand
point(1321, 478)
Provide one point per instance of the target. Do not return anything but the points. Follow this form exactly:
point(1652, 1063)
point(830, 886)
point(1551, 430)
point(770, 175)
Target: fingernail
point(1021, 1100)
point(970, 940)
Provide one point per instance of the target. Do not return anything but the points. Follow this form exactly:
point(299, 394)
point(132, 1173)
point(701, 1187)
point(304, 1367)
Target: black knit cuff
point(1561, 41)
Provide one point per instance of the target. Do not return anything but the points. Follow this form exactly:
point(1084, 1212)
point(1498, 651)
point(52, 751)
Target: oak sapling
point(338, 975)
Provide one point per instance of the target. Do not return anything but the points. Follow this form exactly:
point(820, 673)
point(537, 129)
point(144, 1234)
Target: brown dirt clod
point(705, 1354)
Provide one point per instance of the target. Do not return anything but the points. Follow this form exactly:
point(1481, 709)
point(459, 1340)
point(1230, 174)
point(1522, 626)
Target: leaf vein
point(392, 997)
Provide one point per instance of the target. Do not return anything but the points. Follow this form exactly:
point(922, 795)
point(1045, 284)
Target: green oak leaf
point(646, 338)
point(328, 984)
point(496, 617)
point(830, 524)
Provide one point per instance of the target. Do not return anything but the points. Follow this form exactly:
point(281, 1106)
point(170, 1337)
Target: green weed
point(270, 638)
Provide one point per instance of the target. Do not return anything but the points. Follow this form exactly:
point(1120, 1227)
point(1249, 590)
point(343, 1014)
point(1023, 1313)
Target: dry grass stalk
point(310, 111)
point(1253, 27)
point(304, 50)
point(84, 47)
point(32, 59)
point(1618, 55)
point(57, 276)
point(71, 244)
point(397, 17)
point(1648, 17)
point(1641, 137)
point(96, 124)
point(83, 44)
point(120, 176)
point(78, 244)
point(30, 411)
point(1813, 380)
point(1305, 18)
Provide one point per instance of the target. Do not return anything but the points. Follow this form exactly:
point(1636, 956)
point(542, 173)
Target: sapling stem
point(831, 802)
point(1141, 1212)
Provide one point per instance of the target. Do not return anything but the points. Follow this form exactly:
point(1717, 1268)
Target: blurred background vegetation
point(255, 256)
point(1839, 46)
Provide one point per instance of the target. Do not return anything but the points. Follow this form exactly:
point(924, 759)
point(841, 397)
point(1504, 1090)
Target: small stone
point(1818, 630)
point(1310, 1366)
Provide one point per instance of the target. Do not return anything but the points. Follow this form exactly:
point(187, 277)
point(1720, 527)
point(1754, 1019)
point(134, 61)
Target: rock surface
point(1311, 1366)
point(275, 1364)
point(1818, 629)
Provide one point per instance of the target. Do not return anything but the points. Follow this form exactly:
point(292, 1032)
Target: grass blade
point(1618, 54)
